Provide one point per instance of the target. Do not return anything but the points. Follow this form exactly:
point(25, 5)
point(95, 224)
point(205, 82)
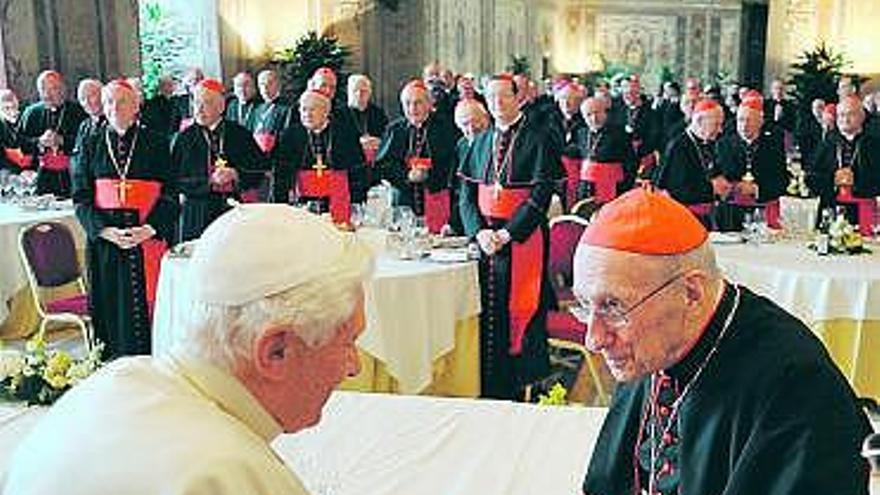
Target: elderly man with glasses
point(721, 391)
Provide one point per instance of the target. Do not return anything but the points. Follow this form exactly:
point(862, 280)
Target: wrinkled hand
point(137, 235)
point(49, 139)
point(224, 176)
point(417, 175)
point(843, 177)
point(370, 142)
point(721, 186)
point(747, 188)
point(119, 237)
point(485, 238)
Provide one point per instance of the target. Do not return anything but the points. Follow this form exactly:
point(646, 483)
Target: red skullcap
point(212, 85)
point(753, 102)
point(753, 93)
point(705, 105)
point(645, 222)
point(124, 83)
point(415, 84)
point(324, 71)
point(830, 109)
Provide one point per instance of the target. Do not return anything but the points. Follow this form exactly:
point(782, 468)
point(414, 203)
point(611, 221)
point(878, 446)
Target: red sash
point(419, 163)
point(18, 158)
point(55, 161)
point(527, 261)
point(369, 153)
point(437, 210)
point(140, 195)
point(330, 184)
point(866, 209)
point(604, 176)
point(572, 168)
point(265, 140)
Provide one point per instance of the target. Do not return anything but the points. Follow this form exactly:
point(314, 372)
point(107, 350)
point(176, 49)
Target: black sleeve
point(82, 177)
point(249, 160)
point(820, 173)
point(531, 214)
point(163, 216)
point(285, 156)
point(189, 179)
point(389, 158)
point(29, 133)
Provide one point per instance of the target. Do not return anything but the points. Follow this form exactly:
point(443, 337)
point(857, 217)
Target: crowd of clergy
point(485, 159)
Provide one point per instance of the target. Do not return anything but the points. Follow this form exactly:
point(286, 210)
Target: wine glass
point(357, 215)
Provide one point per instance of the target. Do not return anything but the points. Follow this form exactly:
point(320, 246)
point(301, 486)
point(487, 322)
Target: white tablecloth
point(813, 288)
point(380, 444)
point(12, 219)
point(411, 307)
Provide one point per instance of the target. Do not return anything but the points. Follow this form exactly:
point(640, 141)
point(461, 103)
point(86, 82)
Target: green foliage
point(815, 75)
point(161, 46)
point(556, 396)
point(296, 64)
point(519, 64)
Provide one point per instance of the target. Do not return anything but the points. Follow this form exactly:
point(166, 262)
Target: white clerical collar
point(504, 127)
point(213, 127)
point(320, 129)
point(850, 137)
point(226, 391)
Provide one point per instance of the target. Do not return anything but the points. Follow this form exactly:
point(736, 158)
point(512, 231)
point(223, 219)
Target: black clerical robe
point(161, 114)
point(862, 154)
point(53, 175)
point(122, 283)
point(507, 180)
point(243, 114)
point(762, 160)
point(303, 155)
point(686, 171)
point(570, 129)
point(87, 128)
point(809, 136)
point(609, 158)
point(643, 130)
point(370, 122)
point(432, 146)
point(195, 153)
point(768, 412)
point(787, 118)
point(12, 157)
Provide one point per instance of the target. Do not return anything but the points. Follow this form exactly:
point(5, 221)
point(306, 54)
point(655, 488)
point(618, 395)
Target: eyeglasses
point(611, 311)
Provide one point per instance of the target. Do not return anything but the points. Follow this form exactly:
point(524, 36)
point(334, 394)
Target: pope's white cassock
point(162, 426)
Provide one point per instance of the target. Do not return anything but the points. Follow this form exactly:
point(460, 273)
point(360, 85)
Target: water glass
point(358, 215)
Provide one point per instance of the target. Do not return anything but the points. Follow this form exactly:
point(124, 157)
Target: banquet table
point(17, 314)
point(381, 444)
point(837, 296)
point(421, 335)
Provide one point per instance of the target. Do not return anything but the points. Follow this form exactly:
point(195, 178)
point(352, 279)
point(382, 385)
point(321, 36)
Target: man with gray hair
point(268, 339)
point(721, 391)
point(88, 93)
point(48, 130)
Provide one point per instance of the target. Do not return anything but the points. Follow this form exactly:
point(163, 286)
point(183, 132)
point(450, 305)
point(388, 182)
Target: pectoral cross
point(122, 191)
point(220, 162)
point(319, 166)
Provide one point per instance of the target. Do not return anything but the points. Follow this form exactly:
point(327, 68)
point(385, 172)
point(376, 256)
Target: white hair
point(225, 335)
point(354, 79)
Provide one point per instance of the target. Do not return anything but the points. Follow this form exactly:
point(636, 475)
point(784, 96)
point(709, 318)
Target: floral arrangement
point(843, 238)
point(39, 376)
point(797, 186)
point(556, 396)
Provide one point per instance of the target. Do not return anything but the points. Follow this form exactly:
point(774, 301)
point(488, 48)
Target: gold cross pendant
point(220, 162)
point(122, 191)
point(319, 167)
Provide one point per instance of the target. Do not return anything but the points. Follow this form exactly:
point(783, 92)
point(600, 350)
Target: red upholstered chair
point(563, 330)
point(48, 253)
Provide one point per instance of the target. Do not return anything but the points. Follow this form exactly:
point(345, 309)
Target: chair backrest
point(585, 208)
point(565, 232)
point(48, 252)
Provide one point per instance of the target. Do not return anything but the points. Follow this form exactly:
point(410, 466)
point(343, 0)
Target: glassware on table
point(358, 215)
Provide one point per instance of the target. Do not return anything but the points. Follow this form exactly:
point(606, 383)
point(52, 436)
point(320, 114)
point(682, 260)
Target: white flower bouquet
point(39, 376)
